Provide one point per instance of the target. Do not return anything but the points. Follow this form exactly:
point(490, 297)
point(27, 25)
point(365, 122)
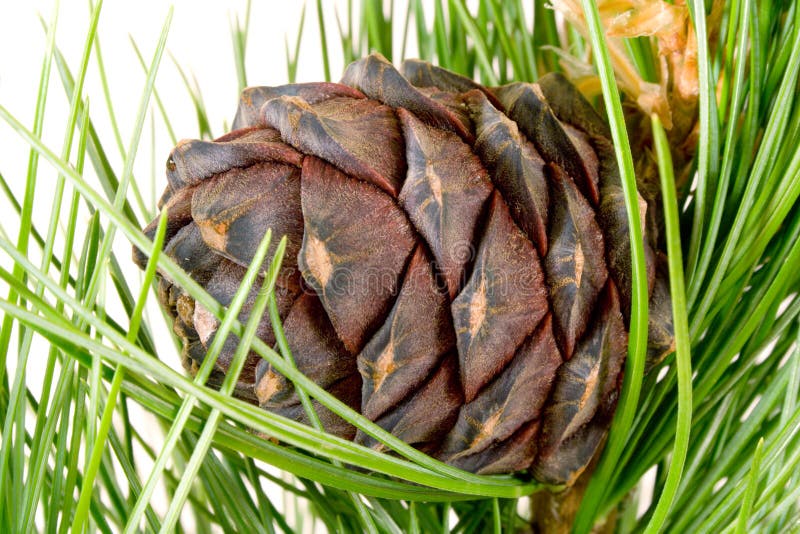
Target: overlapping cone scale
point(458, 260)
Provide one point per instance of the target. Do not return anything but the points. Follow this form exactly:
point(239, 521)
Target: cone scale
point(457, 267)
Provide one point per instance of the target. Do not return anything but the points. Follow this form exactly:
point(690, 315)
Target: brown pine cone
point(458, 260)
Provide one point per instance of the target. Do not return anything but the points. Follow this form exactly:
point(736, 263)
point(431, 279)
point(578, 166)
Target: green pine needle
point(637, 337)
point(683, 356)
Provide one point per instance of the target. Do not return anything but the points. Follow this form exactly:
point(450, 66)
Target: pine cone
point(458, 260)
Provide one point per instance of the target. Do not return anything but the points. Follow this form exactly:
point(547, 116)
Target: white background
point(199, 39)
